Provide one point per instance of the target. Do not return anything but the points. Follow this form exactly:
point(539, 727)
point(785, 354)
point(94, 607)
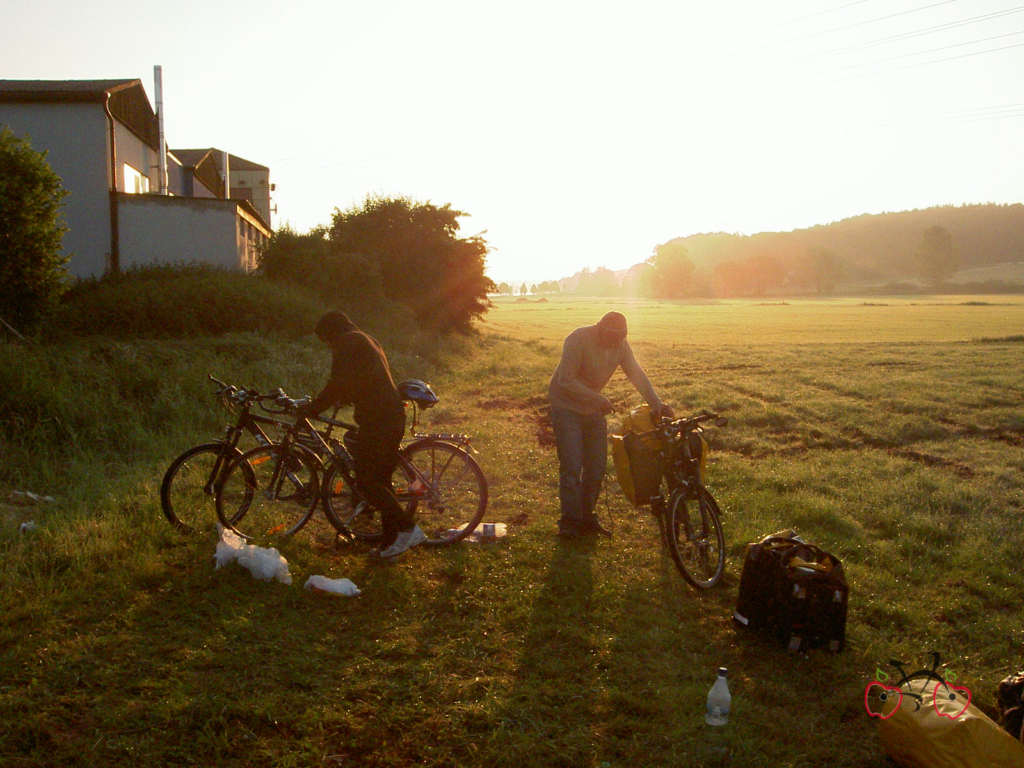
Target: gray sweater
point(585, 368)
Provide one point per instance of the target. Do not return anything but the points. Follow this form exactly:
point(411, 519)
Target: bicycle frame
point(252, 423)
point(339, 455)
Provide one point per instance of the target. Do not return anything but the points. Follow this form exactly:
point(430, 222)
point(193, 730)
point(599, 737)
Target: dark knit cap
point(333, 324)
point(613, 321)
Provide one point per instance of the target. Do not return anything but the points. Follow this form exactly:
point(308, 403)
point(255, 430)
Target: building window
point(135, 182)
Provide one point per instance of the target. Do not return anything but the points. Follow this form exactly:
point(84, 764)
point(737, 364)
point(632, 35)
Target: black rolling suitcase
point(756, 604)
point(811, 598)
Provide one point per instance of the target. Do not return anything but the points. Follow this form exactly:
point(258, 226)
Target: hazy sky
point(575, 133)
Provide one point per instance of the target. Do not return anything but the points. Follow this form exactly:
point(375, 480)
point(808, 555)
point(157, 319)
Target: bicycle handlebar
point(245, 395)
point(670, 426)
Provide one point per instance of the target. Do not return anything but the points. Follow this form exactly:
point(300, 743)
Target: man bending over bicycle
point(590, 356)
point(360, 375)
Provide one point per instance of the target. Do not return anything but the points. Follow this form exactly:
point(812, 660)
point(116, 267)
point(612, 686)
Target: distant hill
point(872, 248)
point(880, 245)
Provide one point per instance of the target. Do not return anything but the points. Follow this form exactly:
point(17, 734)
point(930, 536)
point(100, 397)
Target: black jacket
point(360, 375)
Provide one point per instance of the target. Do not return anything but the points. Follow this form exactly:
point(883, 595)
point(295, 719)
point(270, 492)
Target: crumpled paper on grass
point(262, 562)
point(318, 583)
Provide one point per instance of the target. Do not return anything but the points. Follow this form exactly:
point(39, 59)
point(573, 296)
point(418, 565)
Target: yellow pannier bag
point(942, 729)
point(637, 456)
point(639, 419)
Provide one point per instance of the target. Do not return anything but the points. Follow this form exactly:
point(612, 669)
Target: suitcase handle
point(798, 562)
point(820, 560)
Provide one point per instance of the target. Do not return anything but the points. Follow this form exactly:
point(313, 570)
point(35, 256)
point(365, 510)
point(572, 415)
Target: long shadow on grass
point(551, 706)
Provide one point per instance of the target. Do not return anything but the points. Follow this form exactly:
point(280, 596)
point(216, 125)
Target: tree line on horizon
point(894, 250)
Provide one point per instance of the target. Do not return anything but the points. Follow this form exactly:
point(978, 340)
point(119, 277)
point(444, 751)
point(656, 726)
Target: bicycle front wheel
point(446, 486)
point(695, 538)
point(269, 492)
point(189, 486)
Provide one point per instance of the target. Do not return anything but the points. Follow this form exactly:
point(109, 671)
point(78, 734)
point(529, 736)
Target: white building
point(102, 138)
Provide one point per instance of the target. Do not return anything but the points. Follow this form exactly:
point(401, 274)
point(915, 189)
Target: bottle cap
point(723, 672)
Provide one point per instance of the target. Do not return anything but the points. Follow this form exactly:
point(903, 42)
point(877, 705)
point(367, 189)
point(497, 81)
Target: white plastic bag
point(261, 562)
point(320, 583)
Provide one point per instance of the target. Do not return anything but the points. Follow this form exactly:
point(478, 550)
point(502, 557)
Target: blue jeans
point(582, 442)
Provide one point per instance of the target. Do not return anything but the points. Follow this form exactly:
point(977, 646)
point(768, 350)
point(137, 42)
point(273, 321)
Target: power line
point(890, 16)
point(992, 108)
point(930, 30)
point(938, 49)
point(965, 55)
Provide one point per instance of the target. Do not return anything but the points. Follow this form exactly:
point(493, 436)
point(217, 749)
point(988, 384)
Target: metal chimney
point(227, 177)
point(162, 162)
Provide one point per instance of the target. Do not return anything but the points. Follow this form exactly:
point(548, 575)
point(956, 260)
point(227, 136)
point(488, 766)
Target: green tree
point(729, 278)
point(935, 259)
point(504, 289)
point(32, 274)
point(422, 260)
point(673, 271)
point(600, 282)
point(820, 269)
point(639, 280)
point(313, 261)
point(766, 272)
point(523, 290)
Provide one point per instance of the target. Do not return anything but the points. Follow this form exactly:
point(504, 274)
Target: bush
point(31, 263)
point(184, 301)
point(424, 264)
point(313, 262)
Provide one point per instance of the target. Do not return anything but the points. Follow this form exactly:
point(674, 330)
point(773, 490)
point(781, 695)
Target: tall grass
point(182, 302)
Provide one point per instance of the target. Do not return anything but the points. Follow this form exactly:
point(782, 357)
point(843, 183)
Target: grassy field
point(888, 431)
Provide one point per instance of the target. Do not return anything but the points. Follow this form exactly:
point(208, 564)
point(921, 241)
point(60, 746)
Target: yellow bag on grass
point(942, 729)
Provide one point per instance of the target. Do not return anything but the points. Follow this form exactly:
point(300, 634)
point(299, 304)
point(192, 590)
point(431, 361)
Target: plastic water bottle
point(719, 700)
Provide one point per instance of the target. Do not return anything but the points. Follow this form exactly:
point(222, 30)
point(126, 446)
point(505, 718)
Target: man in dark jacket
point(360, 375)
point(590, 356)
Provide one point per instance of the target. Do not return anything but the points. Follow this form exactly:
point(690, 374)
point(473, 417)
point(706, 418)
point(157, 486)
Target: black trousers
point(375, 450)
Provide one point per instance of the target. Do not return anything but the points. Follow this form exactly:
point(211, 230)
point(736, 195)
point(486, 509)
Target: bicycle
point(193, 476)
point(435, 475)
point(695, 541)
point(674, 454)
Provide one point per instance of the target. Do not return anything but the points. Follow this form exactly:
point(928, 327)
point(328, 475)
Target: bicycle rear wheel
point(454, 498)
point(269, 492)
point(189, 486)
point(695, 538)
point(346, 510)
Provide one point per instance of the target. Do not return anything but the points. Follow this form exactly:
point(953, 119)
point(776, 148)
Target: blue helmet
point(418, 392)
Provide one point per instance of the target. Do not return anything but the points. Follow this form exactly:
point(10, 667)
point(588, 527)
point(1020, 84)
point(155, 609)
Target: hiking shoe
point(592, 526)
point(403, 541)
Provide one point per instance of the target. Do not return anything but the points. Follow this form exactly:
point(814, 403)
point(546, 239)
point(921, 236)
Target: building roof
point(241, 164)
point(126, 97)
point(204, 165)
point(190, 158)
point(194, 156)
point(62, 90)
